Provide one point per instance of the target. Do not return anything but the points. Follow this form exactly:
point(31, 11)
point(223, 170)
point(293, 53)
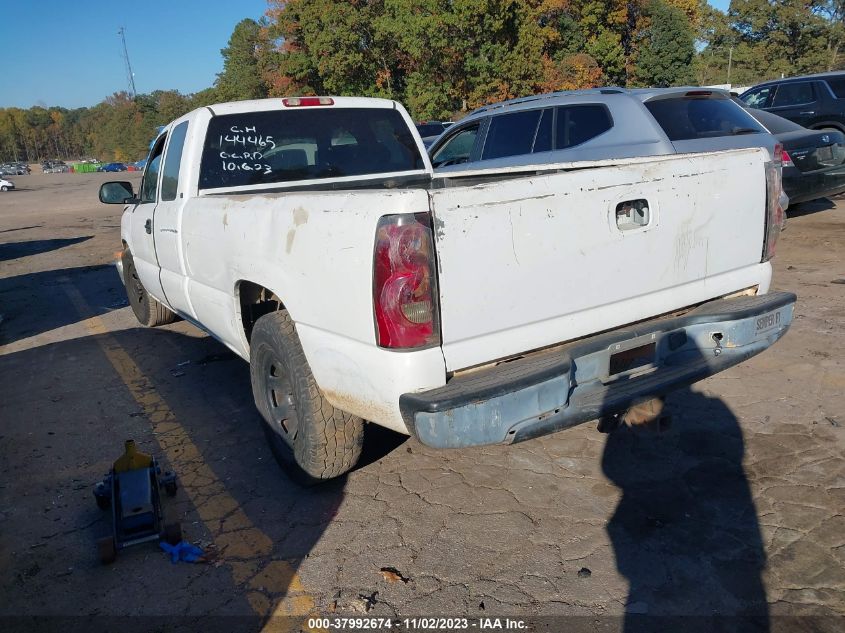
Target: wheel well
point(255, 301)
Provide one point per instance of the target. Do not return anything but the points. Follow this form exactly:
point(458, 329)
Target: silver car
point(597, 124)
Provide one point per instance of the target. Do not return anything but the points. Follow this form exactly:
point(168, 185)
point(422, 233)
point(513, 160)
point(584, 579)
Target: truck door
point(167, 223)
point(141, 224)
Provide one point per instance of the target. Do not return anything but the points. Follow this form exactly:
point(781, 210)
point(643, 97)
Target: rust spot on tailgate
point(300, 217)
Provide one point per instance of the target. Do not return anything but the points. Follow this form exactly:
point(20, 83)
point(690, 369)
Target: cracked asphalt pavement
point(737, 511)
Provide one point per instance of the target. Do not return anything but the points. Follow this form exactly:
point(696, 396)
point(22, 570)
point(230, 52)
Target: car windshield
point(693, 117)
point(284, 146)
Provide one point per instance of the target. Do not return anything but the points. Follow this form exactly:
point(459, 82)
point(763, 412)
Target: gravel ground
point(736, 512)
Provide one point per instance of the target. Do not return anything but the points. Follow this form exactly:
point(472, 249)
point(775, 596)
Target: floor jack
point(131, 490)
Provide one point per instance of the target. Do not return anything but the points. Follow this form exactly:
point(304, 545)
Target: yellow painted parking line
point(244, 548)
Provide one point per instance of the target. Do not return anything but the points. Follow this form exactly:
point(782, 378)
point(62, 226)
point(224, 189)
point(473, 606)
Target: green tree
point(241, 76)
point(665, 57)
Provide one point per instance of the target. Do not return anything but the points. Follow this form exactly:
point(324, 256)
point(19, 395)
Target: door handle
point(148, 225)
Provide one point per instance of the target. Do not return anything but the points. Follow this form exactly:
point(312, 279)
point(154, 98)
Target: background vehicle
point(595, 125)
point(312, 237)
point(816, 102)
point(14, 169)
point(112, 167)
point(54, 167)
point(6, 185)
point(430, 130)
point(813, 160)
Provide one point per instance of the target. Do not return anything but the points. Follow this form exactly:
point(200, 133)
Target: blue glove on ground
point(181, 551)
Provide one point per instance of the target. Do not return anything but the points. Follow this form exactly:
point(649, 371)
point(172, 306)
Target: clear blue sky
point(68, 53)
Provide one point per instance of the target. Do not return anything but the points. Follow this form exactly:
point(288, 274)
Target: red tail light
point(296, 102)
point(774, 212)
point(404, 282)
point(785, 159)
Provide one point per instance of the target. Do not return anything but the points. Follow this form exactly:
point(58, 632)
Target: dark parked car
point(430, 130)
point(14, 169)
point(813, 160)
point(54, 167)
point(112, 167)
point(816, 102)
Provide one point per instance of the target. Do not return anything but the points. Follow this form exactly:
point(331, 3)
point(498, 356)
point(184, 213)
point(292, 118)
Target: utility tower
point(121, 31)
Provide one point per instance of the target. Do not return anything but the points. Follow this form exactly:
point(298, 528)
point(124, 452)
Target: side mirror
point(117, 192)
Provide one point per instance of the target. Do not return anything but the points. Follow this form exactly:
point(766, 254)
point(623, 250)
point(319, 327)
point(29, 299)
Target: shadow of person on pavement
point(685, 533)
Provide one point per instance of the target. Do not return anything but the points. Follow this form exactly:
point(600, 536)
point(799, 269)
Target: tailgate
point(531, 260)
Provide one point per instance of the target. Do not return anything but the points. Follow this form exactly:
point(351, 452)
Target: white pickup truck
point(311, 236)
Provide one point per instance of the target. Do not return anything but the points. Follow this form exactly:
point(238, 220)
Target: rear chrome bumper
point(556, 389)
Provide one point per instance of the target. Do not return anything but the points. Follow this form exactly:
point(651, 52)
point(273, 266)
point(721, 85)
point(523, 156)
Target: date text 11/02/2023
point(417, 624)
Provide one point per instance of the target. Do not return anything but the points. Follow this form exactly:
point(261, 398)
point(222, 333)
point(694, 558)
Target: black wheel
point(311, 440)
point(173, 533)
point(107, 550)
point(4, 188)
point(147, 310)
point(170, 488)
point(103, 502)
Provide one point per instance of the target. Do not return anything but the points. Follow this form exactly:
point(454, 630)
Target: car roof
point(826, 75)
point(566, 97)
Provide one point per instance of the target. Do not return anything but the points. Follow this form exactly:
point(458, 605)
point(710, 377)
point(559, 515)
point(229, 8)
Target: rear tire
point(4, 188)
point(312, 440)
point(148, 310)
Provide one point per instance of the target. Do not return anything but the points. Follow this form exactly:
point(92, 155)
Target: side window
point(511, 134)
point(757, 98)
point(545, 133)
point(150, 182)
point(170, 173)
point(457, 149)
point(837, 87)
point(578, 124)
point(793, 94)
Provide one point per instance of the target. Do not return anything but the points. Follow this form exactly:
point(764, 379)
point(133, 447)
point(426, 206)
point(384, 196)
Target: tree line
point(444, 57)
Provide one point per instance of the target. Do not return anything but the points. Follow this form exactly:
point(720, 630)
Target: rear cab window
point(686, 117)
point(283, 146)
